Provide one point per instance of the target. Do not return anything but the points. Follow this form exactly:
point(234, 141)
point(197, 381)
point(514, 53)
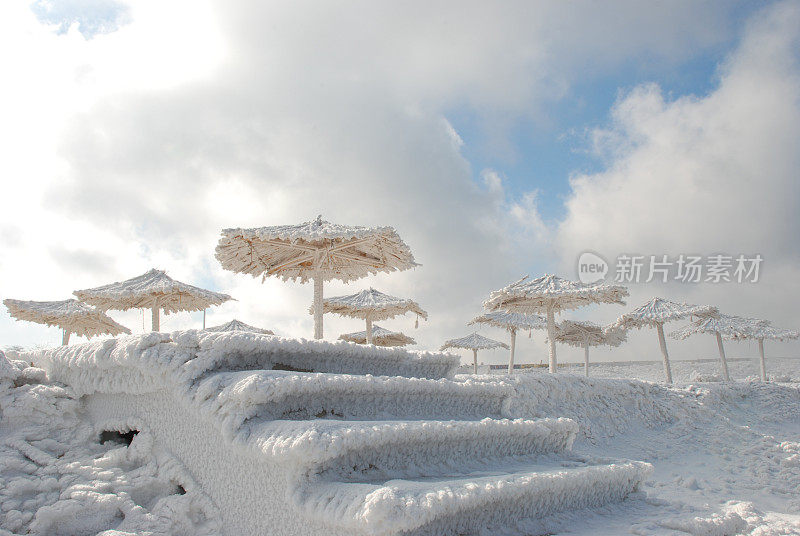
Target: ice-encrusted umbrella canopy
point(584, 334)
point(153, 290)
point(511, 322)
point(315, 250)
point(474, 342)
point(657, 312)
point(238, 325)
point(736, 328)
point(551, 294)
point(71, 316)
point(380, 337)
point(370, 305)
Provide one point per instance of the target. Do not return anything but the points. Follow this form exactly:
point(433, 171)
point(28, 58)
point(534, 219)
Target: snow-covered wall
point(133, 363)
point(248, 489)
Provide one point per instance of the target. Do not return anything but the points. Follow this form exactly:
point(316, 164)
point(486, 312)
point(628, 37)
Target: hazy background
point(498, 140)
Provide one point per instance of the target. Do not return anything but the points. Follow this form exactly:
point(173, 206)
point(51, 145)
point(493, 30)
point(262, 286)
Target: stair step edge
point(315, 441)
point(389, 508)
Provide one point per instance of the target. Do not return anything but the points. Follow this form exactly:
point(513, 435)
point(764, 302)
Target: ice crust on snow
point(56, 479)
point(392, 463)
point(132, 364)
point(197, 393)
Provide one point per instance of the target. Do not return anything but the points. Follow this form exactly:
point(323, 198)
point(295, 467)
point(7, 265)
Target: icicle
point(529, 333)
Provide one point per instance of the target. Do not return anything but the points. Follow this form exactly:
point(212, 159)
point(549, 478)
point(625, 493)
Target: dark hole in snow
point(324, 414)
point(180, 490)
point(124, 438)
point(281, 366)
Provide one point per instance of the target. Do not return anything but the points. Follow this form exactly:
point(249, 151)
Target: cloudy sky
point(499, 140)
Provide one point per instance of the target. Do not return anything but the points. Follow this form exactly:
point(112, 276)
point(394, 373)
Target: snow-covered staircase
point(323, 446)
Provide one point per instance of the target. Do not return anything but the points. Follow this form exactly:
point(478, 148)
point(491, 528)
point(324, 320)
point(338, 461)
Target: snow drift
point(341, 439)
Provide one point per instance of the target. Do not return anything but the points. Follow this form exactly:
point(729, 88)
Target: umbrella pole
point(475, 360)
point(513, 347)
point(586, 358)
point(369, 330)
point(318, 305)
point(663, 344)
point(65, 338)
point(551, 328)
point(763, 361)
point(156, 319)
point(724, 361)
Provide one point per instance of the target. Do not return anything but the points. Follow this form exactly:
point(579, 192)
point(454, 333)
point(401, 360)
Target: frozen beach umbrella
point(370, 305)
point(315, 250)
point(71, 316)
point(511, 322)
point(719, 326)
point(380, 337)
point(474, 342)
point(153, 290)
point(586, 334)
point(238, 325)
point(736, 328)
point(655, 314)
point(551, 294)
point(770, 332)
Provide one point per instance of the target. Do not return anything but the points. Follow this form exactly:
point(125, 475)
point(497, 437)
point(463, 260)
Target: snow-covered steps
point(270, 394)
point(375, 441)
point(355, 450)
point(464, 502)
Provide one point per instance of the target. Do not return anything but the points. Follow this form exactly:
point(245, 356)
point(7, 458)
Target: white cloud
point(134, 148)
point(705, 174)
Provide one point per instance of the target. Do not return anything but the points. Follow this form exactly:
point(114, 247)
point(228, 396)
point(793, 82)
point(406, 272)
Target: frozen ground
point(58, 479)
point(726, 455)
point(779, 369)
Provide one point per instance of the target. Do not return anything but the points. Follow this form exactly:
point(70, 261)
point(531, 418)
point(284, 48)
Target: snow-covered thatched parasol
point(316, 250)
point(71, 316)
point(511, 322)
point(474, 342)
point(737, 328)
point(380, 337)
point(370, 305)
point(238, 325)
point(153, 290)
point(551, 294)
point(586, 334)
point(655, 314)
